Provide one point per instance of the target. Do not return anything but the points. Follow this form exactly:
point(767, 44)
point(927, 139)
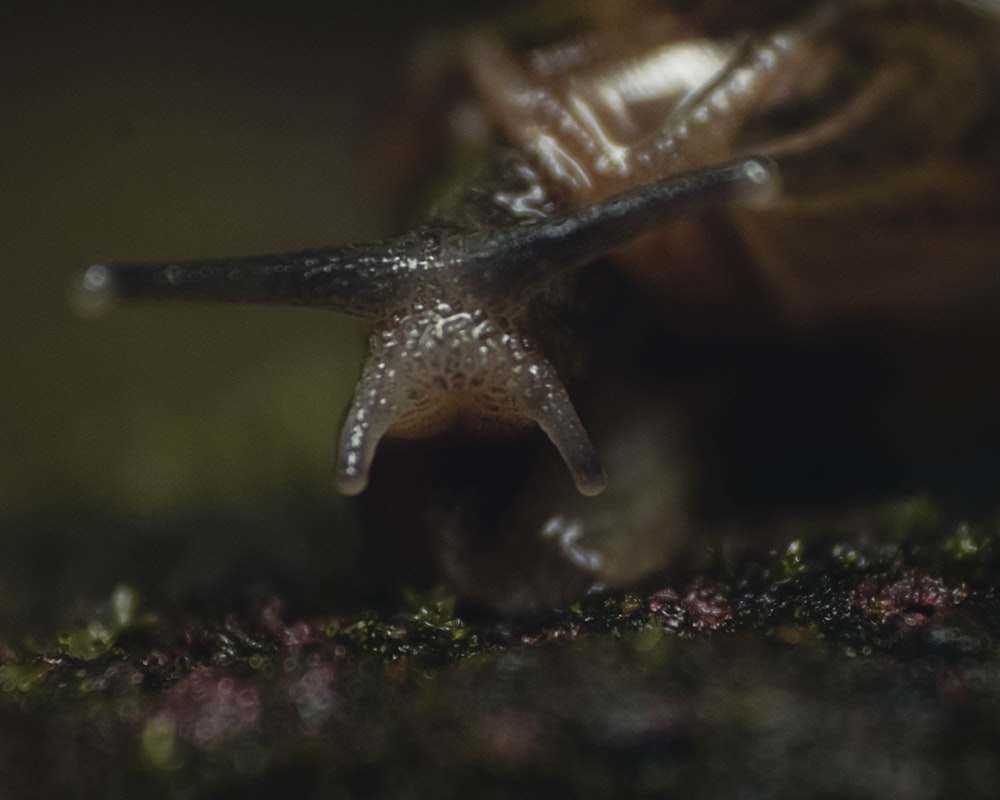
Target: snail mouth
point(461, 412)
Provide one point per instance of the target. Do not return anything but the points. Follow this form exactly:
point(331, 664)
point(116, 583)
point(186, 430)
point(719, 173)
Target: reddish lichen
point(703, 606)
point(914, 598)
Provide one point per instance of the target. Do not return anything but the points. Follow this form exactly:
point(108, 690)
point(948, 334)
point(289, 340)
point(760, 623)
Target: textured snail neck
point(448, 359)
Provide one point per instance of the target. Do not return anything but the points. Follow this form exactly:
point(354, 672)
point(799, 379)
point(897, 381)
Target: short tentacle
point(545, 401)
point(426, 375)
point(372, 412)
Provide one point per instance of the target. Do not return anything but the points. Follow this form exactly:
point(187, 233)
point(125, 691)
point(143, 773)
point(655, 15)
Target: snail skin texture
point(654, 142)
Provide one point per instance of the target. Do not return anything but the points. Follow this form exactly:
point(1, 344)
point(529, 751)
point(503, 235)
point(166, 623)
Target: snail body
point(595, 143)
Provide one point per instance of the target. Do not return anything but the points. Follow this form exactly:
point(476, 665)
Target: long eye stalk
point(521, 258)
point(360, 279)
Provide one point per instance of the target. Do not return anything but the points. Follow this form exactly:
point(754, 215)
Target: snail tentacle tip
point(761, 178)
point(350, 483)
point(93, 291)
point(590, 480)
point(584, 466)
point(353, 461)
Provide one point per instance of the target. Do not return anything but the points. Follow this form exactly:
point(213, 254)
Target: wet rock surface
point(862, 663)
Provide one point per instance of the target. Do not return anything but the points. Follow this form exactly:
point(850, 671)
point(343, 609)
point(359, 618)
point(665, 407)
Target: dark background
point(163, 445)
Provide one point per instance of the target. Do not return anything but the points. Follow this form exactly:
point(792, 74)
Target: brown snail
point(877, 114)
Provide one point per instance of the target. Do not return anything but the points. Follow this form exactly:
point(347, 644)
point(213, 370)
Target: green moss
point(834, 667)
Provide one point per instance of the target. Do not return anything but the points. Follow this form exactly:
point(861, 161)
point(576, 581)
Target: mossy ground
point(862, 664)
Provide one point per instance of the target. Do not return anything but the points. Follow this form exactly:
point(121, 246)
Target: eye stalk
point(525, 258)
point(449, 311)
point(358, 279)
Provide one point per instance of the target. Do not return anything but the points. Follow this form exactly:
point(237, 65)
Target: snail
point(653, 140)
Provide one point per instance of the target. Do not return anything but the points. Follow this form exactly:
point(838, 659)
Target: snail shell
point(873, 110)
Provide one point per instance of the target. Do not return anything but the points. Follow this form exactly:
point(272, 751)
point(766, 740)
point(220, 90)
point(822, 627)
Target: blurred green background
point(185, 450)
